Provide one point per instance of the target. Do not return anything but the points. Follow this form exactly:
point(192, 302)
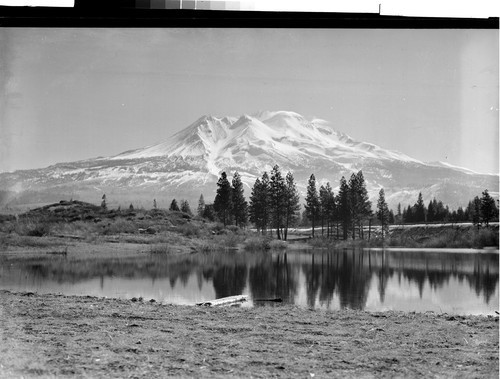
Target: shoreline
point(57, 335)
point(49, 246)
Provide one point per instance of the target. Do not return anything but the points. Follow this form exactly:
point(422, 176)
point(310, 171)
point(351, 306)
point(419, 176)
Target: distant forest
point(274, 204)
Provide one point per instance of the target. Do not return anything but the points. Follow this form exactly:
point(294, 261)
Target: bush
point(119, 226)
point(33, 227)
point(234, 229)
point(257, 243)
point(228, 240)
point(278, 244)
point(162, 248)
point(189, 230)
point(39, 230)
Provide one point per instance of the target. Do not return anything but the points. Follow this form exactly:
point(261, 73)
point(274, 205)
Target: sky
point(72, 94)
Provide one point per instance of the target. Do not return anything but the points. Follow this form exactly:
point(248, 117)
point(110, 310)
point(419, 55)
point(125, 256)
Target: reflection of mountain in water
point(322, 276)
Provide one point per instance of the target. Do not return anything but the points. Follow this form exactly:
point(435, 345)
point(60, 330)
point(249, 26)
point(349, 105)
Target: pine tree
point(304, 221)
point(292, 205)
point(440, 212)
point(476, 211)
point(323, 206)
point(201, 206)
point(209, 212)
point(391, 217)
point(103, 202)
point(419, 209)
point(431, 212)
point(259, 203)
point(174, 206)
point(154, 204)
point(410, 217)
point(353, 202)
point(327, 201)
point(343, 207)
point(223, 200)
point(131, 207)
point(364, 205)
point(277, 197)
point(382, 211)
point(185, 207)
point(488, 208)
point(240, 206)
point(312, 202)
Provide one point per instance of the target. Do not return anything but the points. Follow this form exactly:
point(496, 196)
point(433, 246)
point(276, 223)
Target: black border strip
point(151, 18)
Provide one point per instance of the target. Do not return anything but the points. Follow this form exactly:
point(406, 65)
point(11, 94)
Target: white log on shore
point(223, 301)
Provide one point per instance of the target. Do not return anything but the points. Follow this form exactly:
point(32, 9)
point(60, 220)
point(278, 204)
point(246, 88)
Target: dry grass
point(90, 337)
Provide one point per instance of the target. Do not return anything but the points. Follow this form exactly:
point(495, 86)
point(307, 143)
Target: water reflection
point(373, 280)
point(273, 277)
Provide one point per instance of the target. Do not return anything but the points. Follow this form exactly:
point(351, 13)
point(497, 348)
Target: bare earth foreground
point(57, 336)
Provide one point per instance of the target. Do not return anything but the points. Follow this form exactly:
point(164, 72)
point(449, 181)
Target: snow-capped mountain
point(190, 162)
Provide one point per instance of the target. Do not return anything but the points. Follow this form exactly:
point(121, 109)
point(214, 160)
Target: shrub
point(162, 248)
point(278, 244)
point(189, 230)
point(215, 227)
point(120, 226)
point(257, 243)
point(228, 240)
point(32, 227)
point(207, 247)
point(234, 229)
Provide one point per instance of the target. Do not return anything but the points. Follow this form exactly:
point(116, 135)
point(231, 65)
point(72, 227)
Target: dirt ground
point(60, 336)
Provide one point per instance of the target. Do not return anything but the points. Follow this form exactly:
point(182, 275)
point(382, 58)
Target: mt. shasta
point(190, 163)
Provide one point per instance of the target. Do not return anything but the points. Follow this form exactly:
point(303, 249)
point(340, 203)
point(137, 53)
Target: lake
point(463, 282)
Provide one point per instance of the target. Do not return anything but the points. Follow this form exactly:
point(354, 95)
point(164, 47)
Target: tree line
point(479, 210)
point(274, 205)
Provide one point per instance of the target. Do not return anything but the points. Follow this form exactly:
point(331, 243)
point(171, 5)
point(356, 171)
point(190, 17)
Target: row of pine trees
point(274, 204)
point(479, 210)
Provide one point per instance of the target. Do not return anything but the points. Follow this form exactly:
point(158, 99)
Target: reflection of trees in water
point(314, 277)
point(228, 280)
point(480, 271)
point(329, 282)
point(483, 280)
point(348, 274)
point(345, 273)
point(273, 278)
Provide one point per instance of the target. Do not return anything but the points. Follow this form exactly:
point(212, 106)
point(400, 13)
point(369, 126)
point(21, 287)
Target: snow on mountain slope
point(190, 162)
point(285, 134)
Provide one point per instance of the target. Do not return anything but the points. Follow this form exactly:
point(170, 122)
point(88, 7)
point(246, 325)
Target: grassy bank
point(60, 336)
point(421, 236)
point(69, 225)
point(64, 225)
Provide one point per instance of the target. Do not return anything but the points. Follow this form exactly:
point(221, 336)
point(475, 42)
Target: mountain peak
point(191, 160)
point(280, 135)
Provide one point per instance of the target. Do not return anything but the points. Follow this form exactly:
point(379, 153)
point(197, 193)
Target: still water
point(374, 280)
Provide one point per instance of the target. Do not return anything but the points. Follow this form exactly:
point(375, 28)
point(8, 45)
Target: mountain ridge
point(191, 160)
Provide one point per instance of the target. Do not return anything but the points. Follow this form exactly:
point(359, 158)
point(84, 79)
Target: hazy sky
point(71, 94)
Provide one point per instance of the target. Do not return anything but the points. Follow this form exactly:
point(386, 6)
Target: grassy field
point(61, 336)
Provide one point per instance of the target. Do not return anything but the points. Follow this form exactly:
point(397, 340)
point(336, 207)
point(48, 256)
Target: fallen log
point(223, 301)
